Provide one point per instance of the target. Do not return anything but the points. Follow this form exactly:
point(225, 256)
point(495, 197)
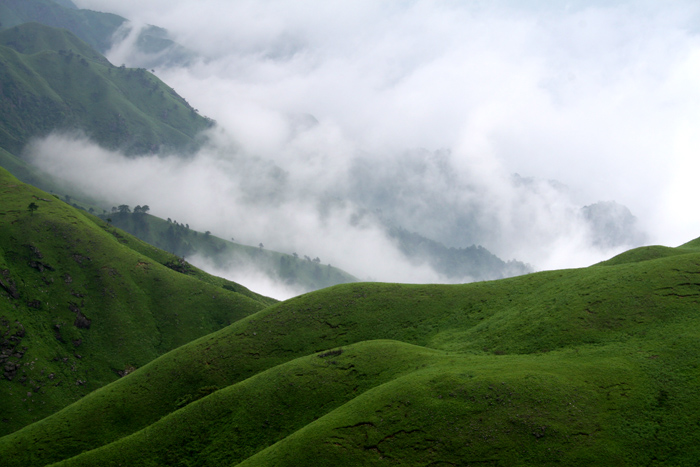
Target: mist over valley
point(336, 127)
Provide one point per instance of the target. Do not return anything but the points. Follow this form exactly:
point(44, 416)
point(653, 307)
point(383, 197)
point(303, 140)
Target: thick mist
point(336, 118)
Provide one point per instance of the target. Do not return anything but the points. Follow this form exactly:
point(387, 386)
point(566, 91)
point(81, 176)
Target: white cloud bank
point(601, 96)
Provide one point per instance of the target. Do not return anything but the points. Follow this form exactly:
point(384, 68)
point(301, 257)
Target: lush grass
point(81, 302)
point(595, 366)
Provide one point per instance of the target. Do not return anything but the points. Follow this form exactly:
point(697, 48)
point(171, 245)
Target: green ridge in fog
point(298, 273)
point(82, 303)
point(93, 27)
point(591, 366)
point(52, 81)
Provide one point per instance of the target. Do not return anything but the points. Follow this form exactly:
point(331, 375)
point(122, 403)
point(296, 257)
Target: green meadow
point(592, 366)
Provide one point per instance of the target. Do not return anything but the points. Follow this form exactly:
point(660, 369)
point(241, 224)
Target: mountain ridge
point(119, 108)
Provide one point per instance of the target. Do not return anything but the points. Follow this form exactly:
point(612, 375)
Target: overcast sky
point(600, 96)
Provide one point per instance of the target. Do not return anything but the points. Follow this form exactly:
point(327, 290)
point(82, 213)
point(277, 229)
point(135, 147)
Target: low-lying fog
point(336, 118)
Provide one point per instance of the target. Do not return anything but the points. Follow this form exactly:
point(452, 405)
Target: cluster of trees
point(125, 209)
point(293, 271)
point(307, 258)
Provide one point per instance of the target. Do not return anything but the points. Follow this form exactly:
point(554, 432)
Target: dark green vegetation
point(82, 303)
point(303, 274)
point(593, 366)
point(52, 81)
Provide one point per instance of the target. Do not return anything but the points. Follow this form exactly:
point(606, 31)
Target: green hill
point(82, 304)
point(593, 366)
point(303, 274)
point(50, 80)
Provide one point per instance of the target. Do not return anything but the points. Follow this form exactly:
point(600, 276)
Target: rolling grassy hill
point(82, 303)
point(593, 366)
point(113, 352)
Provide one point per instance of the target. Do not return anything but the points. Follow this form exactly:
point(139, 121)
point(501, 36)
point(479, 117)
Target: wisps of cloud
point(600, 96)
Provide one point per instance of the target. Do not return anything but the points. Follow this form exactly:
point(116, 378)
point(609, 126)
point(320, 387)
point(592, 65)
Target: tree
point(261, 246)
point(145, 208)
point(32, 207)
point(124, 209)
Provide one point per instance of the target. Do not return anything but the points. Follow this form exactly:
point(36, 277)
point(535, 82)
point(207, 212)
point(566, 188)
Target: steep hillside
point(50, 80)
point(82, 304)
point(98, 29)
point(92, 27)
point(594, 366)
point(302, 274)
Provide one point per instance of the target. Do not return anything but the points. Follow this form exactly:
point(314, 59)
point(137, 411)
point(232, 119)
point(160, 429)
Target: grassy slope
point(177, 238)
point(594, 366)
point(58, 86)
point(25, 172)
point(81, 301)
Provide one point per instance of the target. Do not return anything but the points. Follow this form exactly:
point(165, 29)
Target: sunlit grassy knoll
point(594, 366)
point(81, 305)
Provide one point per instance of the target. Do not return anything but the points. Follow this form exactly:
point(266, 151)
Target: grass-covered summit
point(82, 304)
point(592, 366)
